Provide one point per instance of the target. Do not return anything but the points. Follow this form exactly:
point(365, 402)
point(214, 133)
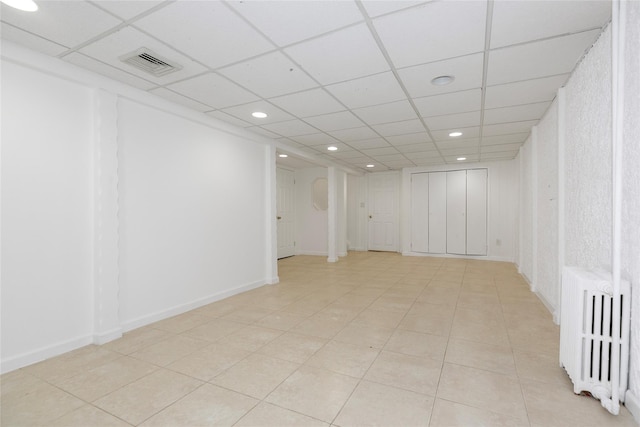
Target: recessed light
point(282, 155)
point(461, 158)
point(442, 80)
point(259, 115)
point(332, 148)
point(25, 5)
point(371, 166)
point(454, 134)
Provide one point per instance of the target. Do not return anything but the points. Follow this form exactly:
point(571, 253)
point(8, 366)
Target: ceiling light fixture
point(259, 115)
point(461, 159)
point(25, 5)
point(282, 155)
point(332, 148)
point(455, 134)
point(371, 166)
point(442, 80)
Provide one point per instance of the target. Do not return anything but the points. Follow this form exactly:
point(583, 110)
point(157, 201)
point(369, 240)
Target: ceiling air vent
point(150, 62)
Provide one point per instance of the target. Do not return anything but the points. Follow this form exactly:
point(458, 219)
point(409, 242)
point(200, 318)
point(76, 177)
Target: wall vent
point(150, 62)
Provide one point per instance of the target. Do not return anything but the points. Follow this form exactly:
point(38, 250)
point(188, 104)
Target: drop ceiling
point(352, 74)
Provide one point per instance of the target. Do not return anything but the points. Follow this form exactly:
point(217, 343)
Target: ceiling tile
point(516, 113)
point(347, 154)
point(355, 134)
point(335, 121)
point(399, 128)
point(434, 31)
point(384, 158)
point(369, 143)
point(412, 138)
point(68, 23)
point(243, 112)
point(464, 143)
point(180, 99)
point(287, 22)
point(466, 70)
point(291, 128)
point(507, 155)
point(507, 128)
point(417, 148)
point(316, 139)
point(129, 8)
point(423, 155)
point(380, 151)
point(522, 21)
point(377, 89)
point(376, 7)
point(500, 148)
point(539, 59)
point(353, 52)
point(399, 164)
point(454, 159)
point(109, 71)
point(428, 162)
point(449, 103)
point(525, 92)
point(386, 113)
point(31, 41)
point(505, 139)
point(464, 151)
point(109, 49)
point(220, 115)
point(214, 90)
point(443, 135)
point(269, 75)
point(263, 132)
point(312, 102)
point(201, 30)
point(453, 122)
point(339, 145)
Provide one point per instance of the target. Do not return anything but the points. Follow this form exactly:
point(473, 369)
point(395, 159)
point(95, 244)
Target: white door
point(420, 212)
point(438, 212)
point(456, 212)
point(285, 194)
point(477, 212)
point(383, 211)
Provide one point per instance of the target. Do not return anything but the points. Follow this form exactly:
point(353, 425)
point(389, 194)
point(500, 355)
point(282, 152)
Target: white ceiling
point(354, 74)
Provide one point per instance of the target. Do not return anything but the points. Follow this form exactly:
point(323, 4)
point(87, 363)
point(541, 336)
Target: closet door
point(420, 212)
point(456, 212)
point(438, 212)
point(477, 212)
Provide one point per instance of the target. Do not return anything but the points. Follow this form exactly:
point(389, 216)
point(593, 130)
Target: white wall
point(502, 207)
point(631, 195)
point(47, 229)
point(311, 224)
point(194, 200)
point(547, 274)
point(525, 264)
point(191, 213)
point(587, 172)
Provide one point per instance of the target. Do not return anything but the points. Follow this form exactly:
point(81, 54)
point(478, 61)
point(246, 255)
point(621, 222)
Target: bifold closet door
point(420, 212)
point(477, 212)
point(438, 212)
point(456, 212)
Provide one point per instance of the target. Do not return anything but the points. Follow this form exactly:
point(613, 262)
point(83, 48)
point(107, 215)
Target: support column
point(271, 243)
point(332, 214)
point(106, 325)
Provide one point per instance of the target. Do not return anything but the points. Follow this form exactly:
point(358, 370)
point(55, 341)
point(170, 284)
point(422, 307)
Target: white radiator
point(586, 331)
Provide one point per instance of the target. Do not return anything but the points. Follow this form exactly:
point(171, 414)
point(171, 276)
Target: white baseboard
point(475, 257)
point(548, 305)
point(182, 308)
point(43, 353)
point(315, 253)
point(632, 403)
point(273, 281)
point(105, 337)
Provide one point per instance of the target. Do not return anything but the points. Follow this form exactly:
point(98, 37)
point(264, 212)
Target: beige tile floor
point(375, 339)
